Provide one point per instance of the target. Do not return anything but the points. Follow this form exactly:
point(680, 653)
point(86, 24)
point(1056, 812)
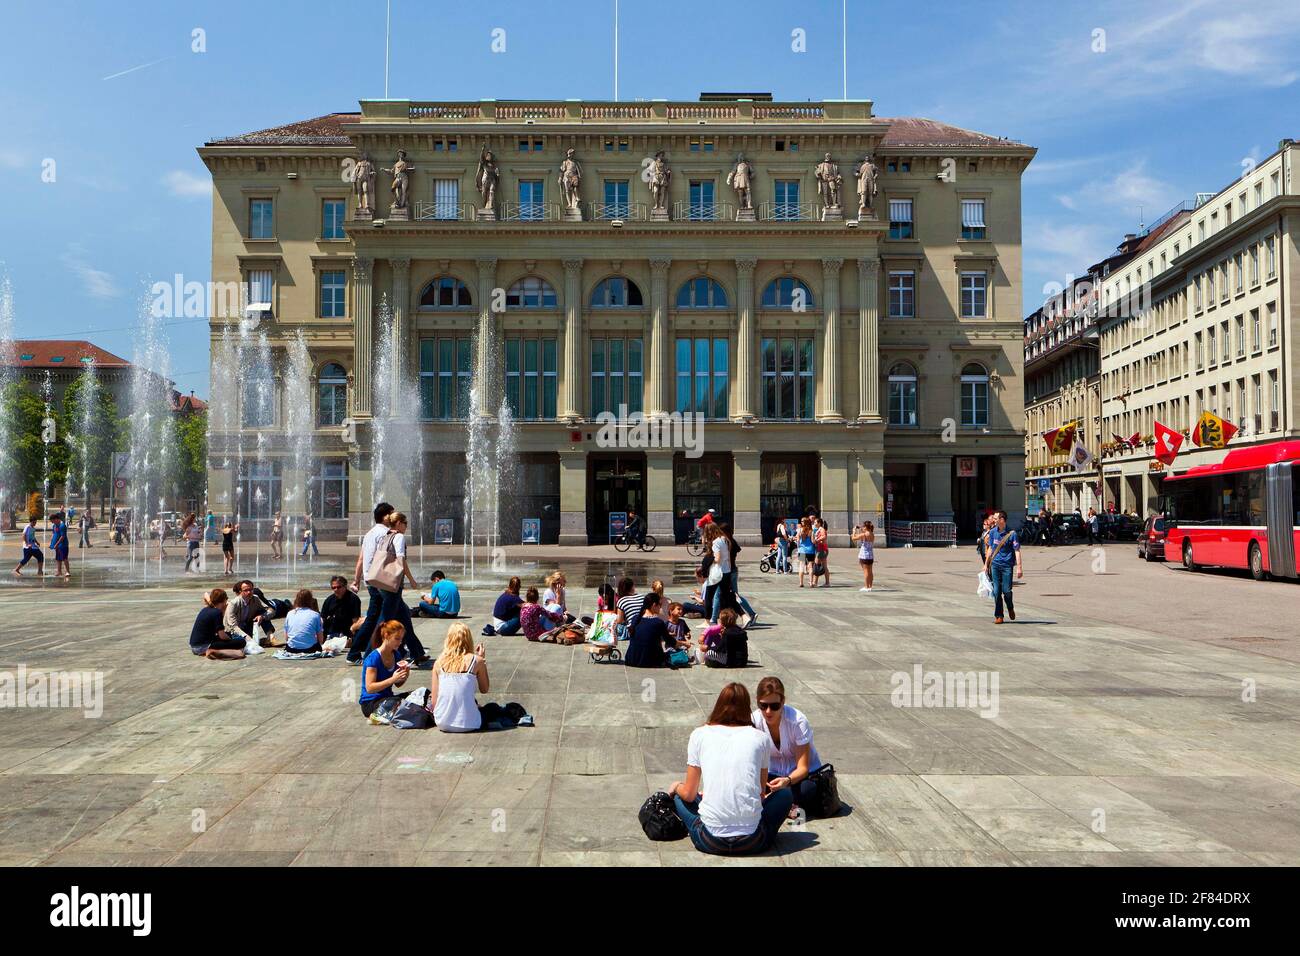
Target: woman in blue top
point(505, 613)
point(303, 625)
point(381, 668)
point(1003, 549)
point(807, 549)
point(59, 545)
point(645, 647)
point(31, 549)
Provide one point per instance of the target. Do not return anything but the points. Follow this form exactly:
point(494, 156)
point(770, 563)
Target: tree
point(25, 461)
point(93, 433)
point(190, 462)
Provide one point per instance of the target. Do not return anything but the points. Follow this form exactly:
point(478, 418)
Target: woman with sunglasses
point(793, 756)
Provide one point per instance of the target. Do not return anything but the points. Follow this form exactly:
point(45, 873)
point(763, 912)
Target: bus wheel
point(1257, 563)
point(1188, 563)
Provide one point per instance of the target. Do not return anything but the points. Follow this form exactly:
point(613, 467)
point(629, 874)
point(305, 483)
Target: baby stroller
point(604, 636)
point(769, 560)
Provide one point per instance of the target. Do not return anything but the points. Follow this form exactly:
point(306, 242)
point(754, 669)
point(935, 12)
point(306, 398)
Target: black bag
point(826, 799)
point(411, 715)
point(659, 818)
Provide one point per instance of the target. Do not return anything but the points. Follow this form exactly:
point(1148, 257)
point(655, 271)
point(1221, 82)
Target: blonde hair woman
point(554, 599)
point(459, 672)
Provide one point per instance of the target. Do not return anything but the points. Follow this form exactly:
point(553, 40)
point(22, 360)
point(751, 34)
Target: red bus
point(1243, 512)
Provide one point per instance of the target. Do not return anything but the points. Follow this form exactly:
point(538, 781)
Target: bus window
point(1295, 492)
point(1255, 513)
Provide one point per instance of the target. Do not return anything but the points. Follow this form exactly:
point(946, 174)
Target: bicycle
point(695, 543)
point(623, 543)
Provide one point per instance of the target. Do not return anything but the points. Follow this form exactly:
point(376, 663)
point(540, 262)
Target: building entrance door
point(614, 483)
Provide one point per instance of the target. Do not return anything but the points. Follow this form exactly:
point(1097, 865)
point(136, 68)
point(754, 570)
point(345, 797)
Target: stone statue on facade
point(363, 185)
point(401, 170)
point(485, 181)
point(829, 181)
point(571, 185)
point(868, 174)
point(660, 176)
point(741, 179)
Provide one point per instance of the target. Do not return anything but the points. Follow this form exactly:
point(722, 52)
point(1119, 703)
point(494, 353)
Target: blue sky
point(112, 92)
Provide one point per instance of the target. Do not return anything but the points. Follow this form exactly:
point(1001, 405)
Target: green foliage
point(93, 433)
point(189, 463)
point(23, 410)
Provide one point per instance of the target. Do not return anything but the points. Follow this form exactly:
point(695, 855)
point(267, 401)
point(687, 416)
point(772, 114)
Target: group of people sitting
point(655, 628)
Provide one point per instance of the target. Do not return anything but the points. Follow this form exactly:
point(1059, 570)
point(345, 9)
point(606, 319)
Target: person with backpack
point(725, 802)
point(1004, 554)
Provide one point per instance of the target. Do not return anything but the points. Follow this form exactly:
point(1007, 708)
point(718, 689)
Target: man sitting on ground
point(245, 611)
point(443, 599)
point(341, 610)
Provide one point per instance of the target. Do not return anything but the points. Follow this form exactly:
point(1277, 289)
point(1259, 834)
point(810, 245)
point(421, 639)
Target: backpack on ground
point(659, 819)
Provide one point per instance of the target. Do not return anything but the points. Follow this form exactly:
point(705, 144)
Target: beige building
point(849, 362)
point(1202, 319)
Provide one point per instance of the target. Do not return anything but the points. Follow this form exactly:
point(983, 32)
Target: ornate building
point(849, 331)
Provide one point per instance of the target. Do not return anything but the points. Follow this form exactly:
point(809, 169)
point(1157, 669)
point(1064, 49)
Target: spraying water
point(153, 438)
point(7, 362)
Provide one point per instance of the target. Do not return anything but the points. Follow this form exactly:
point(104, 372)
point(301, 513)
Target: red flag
point(1213, 431)
point(1168, 442)
point(1130, 442)
point(1060, 441)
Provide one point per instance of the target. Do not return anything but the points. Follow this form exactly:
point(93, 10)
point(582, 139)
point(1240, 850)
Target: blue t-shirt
point(1007, 555)
point(447, 596)
point(375, 659)
point(507, 607)
point(304, 628)
point(59, 536)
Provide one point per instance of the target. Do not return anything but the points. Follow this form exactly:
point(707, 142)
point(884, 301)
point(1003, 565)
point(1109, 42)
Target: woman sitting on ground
point(208, 637)
point(533, 619)
point(460, 671)
point(630, 604)
point(730, 648)
point(505, 613)
point(793, 756)
point(303, 625)
point(736, 815)
point(382, 670)
point(645, 647)
point(554, 599)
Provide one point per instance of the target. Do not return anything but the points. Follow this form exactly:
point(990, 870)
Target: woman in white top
point(793, 756)
point(554, 600)
point(460, 671)
point(727, 759)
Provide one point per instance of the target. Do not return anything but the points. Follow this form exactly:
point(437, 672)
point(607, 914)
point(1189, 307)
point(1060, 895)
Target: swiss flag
point(1168, 442)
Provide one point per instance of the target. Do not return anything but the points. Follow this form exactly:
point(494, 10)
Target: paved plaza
point(1118, 733)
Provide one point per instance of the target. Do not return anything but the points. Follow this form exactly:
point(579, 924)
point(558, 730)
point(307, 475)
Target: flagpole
point(844, 40)
point(388, 23)
point(615, 51)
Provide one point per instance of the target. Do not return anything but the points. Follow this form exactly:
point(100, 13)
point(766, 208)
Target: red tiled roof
point(1160, 231)
point(918, 131)
point(188, 403)
point(328, 130)
point(69, 352)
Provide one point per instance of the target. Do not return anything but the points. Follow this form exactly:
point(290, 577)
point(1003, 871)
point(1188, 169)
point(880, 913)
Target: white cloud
point(97, 283)
point(187, 185)
point(1127, 189)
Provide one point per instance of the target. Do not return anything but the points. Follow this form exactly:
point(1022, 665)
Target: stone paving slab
point(1112, 743)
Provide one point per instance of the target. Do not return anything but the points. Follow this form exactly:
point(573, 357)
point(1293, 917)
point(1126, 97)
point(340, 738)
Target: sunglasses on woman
point(770, 704)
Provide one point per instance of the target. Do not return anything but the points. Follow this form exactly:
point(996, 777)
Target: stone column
point(831, 411)
point(746, 490)
point(573, 498)
point(746, 359)
point(486, 359)
point(659, 403)
point(869, 485)
point(659, 494)
point(571, 403)
point(834, 507)
point(869, 341)
point(401, 345)
point(1011, 488)
point(938, 488)
point(363, 321)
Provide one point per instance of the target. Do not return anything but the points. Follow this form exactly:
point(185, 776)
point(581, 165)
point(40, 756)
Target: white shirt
point(730, 760)
point(456, 711)
point(795, 731)
point(368, 545)
point(722, 555)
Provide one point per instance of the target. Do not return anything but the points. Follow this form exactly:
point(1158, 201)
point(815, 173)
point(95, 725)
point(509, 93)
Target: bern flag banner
point(1168, 442)
point(1212, 431)
point(1060, 441)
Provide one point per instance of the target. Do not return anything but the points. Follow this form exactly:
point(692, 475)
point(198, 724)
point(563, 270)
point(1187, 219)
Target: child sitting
point(533, 619)
point(678, 629)
point(730, 648)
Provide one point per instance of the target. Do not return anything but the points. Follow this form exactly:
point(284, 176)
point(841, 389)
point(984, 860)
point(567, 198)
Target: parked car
point(1151, 542)
point(1119, 527)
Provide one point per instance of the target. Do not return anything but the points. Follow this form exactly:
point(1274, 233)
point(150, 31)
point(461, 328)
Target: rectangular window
point(787, 199)
point(446, 198)
point(261, 219)
point(1241, 336)
point(531, 378)
point(333, 294)
point(701, 207)
point(700, 144)
point(974, 303)
point(531, 199)
point(333, 212)
point(1270, 256)
point(703, 374)
point(1213, 339)
point(616, 144)
point(329, 490)
point(902, 295)
point(616, 375)
point(445, 378)
point(616, 203)
point(900, 219)
point(261, 287)
point(972, 219)
point(1240, 276)
point(1272, 324)
point(787, 374)
point(1256, 335)
point(257, 405)
point(1227, 342)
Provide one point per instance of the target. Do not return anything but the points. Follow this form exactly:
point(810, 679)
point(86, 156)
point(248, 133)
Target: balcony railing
point(703, 211)
point(628, 211)
point(530, 211)
point(788, 212)
point(444, 211)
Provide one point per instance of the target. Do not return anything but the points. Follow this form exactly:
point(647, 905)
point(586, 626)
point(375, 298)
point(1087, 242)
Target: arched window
point(787, 292)
point(701, 293)
point(974, 395)
point(445, 292)
point(531, 292)
point(902, 395)
point(616, 293)
point(332, 388)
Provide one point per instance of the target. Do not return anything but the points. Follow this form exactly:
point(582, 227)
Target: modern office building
point(857, 361)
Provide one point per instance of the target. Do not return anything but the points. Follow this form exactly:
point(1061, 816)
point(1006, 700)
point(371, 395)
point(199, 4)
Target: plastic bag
point(985, 587)
point(252, 645)
point(335, 645)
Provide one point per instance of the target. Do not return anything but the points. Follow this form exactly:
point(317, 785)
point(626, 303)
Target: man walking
point(1003, 547)
point(361, 641)
point(1094, 526)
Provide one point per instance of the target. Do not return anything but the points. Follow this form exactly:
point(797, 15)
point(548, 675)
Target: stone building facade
point(852, 360)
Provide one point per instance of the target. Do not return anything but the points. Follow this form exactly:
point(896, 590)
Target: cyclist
point(635, 530)
point(706, 519)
